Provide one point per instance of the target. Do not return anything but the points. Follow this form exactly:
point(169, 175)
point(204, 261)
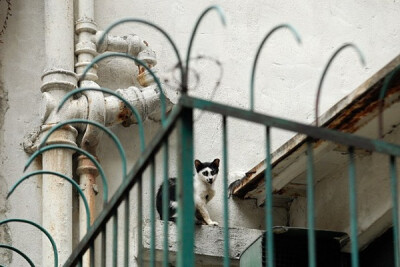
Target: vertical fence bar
point(115, 239)
point(165, 203)
point(269, 222)
point(103, 246)
point(140, 221)
point(185, 190)
point(152, 214)
point(92, 254)
point(395, 209)
point(310, 206)
point(126, 233)
point(226, 208)
point(353, 209)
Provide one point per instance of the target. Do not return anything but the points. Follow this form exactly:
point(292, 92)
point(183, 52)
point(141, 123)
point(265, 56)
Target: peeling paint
point(350, 119)
point(349, 115)
point(124, 115)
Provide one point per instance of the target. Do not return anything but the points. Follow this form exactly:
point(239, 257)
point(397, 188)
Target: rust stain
point(249, 180)
point(349, 120)
point(141, 69)
point(142, 77)
point(88, 173)
point(124, 115)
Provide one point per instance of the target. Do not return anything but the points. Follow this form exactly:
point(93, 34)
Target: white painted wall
point(22, 66)
point(287, 78)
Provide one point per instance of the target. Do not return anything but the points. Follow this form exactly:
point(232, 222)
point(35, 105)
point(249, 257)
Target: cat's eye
point(205, 173)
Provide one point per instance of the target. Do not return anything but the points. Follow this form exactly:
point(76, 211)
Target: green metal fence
point(181, 120)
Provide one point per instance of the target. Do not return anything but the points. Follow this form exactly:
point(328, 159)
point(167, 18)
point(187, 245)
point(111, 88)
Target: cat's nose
point(210, 181)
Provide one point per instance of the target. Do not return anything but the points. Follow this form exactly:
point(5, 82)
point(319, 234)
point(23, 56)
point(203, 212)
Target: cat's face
point(207, 171)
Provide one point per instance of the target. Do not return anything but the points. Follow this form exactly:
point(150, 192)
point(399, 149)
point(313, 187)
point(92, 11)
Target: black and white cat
point(206, 174)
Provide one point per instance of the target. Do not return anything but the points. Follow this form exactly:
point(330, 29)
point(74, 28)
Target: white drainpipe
point(85, 50)
point(60, 78)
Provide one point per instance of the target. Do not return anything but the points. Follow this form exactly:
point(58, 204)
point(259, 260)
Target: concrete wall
point(21, 57)
point(287, 78)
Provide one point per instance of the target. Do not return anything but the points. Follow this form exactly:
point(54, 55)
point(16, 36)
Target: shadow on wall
point(5, 236)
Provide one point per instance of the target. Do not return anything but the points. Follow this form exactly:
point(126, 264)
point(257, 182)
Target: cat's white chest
point(203, 192)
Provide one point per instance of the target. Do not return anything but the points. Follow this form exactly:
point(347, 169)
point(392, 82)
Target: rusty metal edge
point(337, 117)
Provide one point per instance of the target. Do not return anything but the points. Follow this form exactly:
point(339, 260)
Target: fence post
point(185, 189)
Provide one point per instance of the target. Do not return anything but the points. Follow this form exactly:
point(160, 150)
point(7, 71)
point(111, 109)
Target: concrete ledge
point(209, 243)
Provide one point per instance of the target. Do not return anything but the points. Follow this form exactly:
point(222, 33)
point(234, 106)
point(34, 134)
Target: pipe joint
point(75, 108)
point(65, 135)
point(135, 97)
point(144, 77)
point(145, 100)
point(131, 44)
point(96, 112)
point(86, 47)
point(91, 75)
point(85, 24)
point(86, 166)
point(58, 79)
point(149, 56)
point(151, 94)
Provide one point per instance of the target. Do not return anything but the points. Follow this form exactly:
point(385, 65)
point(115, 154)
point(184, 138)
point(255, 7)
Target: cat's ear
point(216, 162)
point(198, 165)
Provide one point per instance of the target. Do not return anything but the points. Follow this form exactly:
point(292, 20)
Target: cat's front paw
point(213, 223)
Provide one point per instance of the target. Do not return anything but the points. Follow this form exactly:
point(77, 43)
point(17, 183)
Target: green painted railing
point(181, 120)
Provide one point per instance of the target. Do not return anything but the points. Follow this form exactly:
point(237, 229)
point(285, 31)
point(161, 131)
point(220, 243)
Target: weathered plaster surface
point(206, 254)
point(287, 79)
point(6, 256)
point(21, 57)
point(5, 237)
